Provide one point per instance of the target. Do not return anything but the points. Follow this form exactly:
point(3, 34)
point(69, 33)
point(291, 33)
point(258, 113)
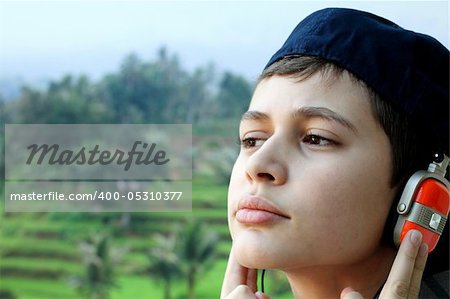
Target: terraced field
point(39, 251)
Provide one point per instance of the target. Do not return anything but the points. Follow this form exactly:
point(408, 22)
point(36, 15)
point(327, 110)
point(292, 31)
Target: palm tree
point(164, 261)
point(100, 261)
point(197, 248)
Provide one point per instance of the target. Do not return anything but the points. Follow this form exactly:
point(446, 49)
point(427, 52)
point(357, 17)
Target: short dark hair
point(406, 156)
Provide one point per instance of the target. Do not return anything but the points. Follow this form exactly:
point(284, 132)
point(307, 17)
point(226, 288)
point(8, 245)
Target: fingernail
point(423, 250)
point(416, 238)
point(347, 290)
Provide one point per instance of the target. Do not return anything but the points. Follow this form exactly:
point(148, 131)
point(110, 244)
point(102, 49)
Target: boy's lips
point(257, 210)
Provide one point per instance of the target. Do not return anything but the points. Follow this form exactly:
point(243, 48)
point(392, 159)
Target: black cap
point(408, 69)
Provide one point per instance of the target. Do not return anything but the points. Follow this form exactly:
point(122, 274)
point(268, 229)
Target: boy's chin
point(268, 256)
point(252, 263)
point(256, 256)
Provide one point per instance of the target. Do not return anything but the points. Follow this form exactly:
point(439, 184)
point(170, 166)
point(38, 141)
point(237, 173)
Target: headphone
point(425, 203)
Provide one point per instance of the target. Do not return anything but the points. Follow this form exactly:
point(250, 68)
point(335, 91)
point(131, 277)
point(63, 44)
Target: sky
point(47, 39)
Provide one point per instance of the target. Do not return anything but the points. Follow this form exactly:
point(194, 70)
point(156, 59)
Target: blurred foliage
point(5, 294)
point(185, 254)
point(159, 91)
point(164, 261)
point(100, 261)
point(277, 282)
point(220, 160)
point(234, 94)
point(197, 250)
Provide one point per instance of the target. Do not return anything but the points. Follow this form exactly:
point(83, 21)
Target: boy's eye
point(317, 140)
point(250, 142)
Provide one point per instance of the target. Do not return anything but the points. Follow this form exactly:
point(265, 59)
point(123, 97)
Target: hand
point(406, 274)
point(240, 282)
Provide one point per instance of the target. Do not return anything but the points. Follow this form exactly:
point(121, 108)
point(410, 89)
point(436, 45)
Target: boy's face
point(314, 152)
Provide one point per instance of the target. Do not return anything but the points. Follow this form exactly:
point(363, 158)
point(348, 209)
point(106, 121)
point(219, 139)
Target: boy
point(343, 114)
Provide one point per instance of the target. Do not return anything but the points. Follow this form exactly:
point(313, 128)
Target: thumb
point(349, 293)
point(260, 295)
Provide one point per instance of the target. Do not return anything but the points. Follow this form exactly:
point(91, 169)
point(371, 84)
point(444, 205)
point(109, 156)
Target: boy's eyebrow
point(325, 113)
point(255, 115)
point(307, 112)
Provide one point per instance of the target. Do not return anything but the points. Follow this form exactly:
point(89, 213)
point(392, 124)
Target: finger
point(260, 295)
point(399, 279)
point(419, 267)
point(236, 275)
point(252, 278)
point(241, 292)
point(349, 293)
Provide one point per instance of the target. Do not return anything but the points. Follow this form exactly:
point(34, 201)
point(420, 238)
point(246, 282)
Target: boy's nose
point(267, 165)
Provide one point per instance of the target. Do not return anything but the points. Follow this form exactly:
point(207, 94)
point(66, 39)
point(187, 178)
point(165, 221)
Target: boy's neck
point(366, 277)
